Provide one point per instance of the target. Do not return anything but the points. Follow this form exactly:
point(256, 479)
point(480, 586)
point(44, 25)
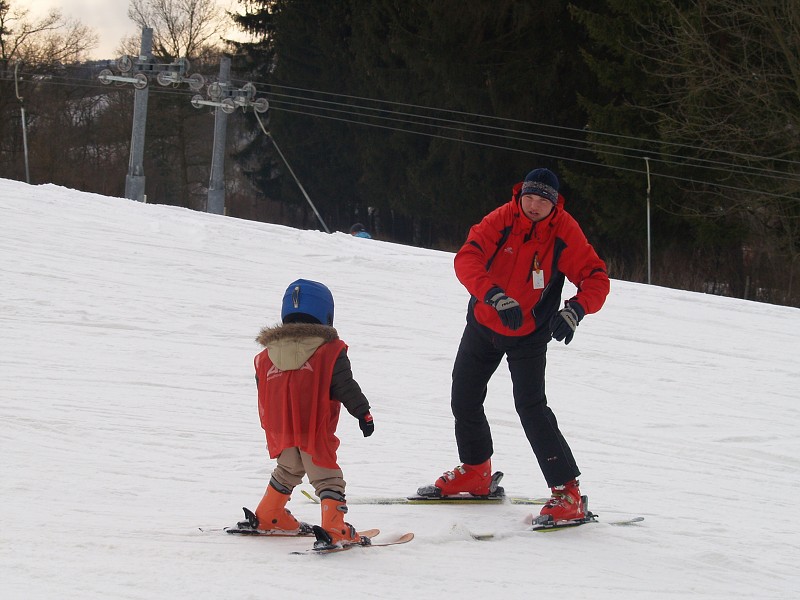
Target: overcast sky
point(108, 18)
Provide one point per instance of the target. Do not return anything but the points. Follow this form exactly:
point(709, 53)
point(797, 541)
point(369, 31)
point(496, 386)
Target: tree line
point(416, 118)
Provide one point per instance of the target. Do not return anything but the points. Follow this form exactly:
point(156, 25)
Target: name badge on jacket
point(537, 274)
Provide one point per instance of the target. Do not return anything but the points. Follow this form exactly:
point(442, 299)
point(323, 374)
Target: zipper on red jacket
point(528, 235)
point(504, 235)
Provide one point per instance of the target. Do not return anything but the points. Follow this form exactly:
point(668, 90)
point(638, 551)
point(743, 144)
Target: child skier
point(304, 377)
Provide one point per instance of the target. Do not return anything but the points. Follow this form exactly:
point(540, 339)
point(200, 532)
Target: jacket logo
point(509, 250)
point(276, 372)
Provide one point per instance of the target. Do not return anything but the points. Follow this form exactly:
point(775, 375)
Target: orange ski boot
point(272, 514)
point(334, 530)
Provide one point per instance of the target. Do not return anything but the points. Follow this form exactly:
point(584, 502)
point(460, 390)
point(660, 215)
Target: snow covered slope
point(128, 419)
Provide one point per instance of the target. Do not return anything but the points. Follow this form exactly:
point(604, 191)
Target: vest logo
point(276, 372)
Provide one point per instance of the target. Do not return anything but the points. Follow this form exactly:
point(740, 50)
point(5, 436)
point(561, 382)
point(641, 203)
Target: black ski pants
point(479, 355)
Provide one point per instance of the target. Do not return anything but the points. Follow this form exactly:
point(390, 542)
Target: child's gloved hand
point(366, 424)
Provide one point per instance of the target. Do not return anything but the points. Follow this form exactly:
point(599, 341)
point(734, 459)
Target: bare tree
point(730, 71)
point(42, 47)
point(45, 41)
point(181, 28)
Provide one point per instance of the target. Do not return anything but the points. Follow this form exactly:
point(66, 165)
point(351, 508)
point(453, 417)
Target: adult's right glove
point(508, 308)
point(366, 424)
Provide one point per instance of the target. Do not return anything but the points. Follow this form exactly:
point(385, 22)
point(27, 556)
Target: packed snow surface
point(128, 421)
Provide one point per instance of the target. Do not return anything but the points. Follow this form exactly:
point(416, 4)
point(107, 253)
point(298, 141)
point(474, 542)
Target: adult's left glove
point(366, 424)
point(564, 322)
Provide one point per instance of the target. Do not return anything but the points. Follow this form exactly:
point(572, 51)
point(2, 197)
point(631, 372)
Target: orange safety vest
point(296, 408)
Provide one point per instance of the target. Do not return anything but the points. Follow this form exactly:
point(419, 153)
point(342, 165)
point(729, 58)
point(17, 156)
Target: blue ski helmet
point(307, 298)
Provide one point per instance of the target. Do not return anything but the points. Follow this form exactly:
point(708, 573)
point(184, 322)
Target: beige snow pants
point(293, 463)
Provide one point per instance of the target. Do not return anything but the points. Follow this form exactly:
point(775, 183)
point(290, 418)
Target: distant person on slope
point(304, 377)
point(358, 230)
point(513, 264)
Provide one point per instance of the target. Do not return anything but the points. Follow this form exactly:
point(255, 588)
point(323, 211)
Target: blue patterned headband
point(540, 189)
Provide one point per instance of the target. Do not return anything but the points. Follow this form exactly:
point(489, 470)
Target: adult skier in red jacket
point(513, 264)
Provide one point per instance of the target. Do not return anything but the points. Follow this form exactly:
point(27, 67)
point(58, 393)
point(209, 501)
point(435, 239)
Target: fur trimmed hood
point(276, 333)
point(292, 344)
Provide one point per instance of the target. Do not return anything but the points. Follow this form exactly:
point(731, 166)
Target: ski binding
point(250, 527)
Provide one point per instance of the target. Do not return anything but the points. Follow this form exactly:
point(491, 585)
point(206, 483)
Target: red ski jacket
point(529, 261)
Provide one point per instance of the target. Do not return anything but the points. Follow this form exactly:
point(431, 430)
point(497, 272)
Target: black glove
point(366, 424)
point(508, 308)
point(565, 321)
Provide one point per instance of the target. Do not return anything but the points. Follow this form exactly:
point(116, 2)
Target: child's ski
point(333, 548)
point(250, 527)
point(304, 531)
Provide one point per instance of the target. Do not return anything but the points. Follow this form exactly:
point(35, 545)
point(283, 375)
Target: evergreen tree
point(255, 60)
point(428, 150)
point(617, 185)
point(714, 87)
point(505, 59)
